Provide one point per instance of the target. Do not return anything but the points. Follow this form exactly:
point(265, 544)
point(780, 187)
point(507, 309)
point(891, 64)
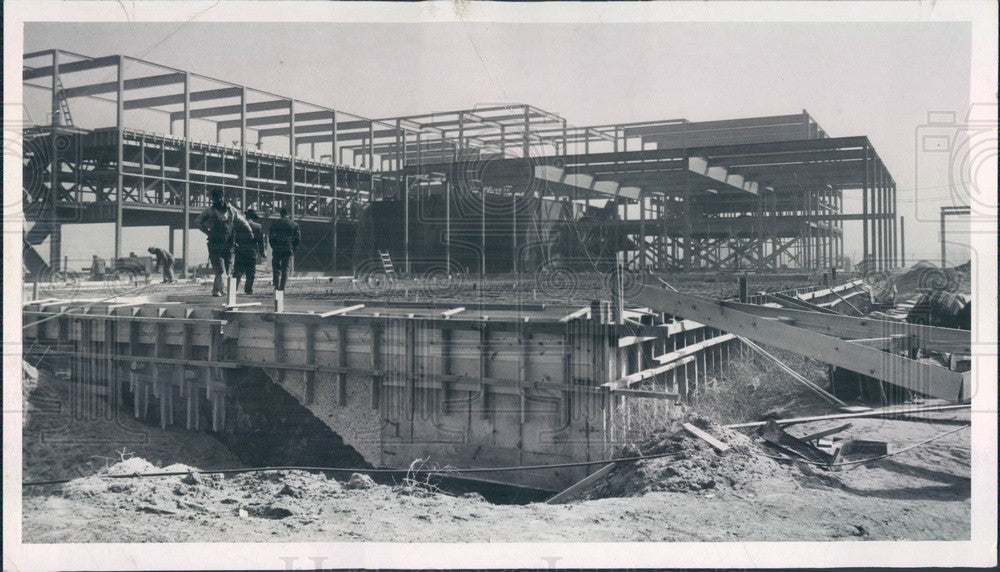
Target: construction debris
point(718, 445)
point(777, 437)
point(694, 464)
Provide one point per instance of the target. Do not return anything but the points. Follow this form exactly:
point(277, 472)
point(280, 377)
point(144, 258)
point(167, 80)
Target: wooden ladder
point(67, 118)
point(387, 263)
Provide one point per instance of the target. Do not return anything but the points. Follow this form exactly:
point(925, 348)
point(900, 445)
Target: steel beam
point(112, 86)
point(69, 67)
point(178, 99)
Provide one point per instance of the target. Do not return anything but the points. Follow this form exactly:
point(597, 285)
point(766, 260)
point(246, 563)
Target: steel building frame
point(757, 193)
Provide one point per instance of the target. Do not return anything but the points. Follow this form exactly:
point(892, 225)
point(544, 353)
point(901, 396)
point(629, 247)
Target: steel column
point(333, 187)
point(864, 205)
point(243, 148)
point(185, 234)
point(292, 148)
point(55, 168)
point(120, 124)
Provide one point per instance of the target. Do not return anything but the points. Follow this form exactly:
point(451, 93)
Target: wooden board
point(851, 327)
point(715, 443)
point(923, 378)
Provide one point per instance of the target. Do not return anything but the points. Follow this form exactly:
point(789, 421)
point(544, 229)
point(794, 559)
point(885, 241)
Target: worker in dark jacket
point(249, 249)
point(218, 222)
point(166, 260)
point(284, 238)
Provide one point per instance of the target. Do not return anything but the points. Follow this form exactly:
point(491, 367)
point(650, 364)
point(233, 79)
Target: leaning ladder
point(387, 263)
point(67, 118)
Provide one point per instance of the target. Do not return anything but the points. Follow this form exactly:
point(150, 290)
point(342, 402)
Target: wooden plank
point(886, 412)
point(649, 394)
point(582, 484)
point(341, 391)
point(693, 348)
point(894, 343)
point(485, 371)
point(452, 312)
point(150, 319)
point(718, 445)
point(625, 341)
point(634, 378)
point(242, 305)
point(376, 363)
point(849, 327)
point(827, 291)
point(920, 377)
point(574, 315)
point(851, 306)
point(341, 311)
point(825, 432)
point(799, 303)
point(310, 351)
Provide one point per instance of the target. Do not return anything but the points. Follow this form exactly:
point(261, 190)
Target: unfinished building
point(506, 189)
point(514, 181)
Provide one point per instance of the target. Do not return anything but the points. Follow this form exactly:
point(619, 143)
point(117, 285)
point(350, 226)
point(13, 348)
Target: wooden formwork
point(483, 388)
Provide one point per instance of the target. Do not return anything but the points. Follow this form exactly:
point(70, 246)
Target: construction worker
point(164, 259)
point(218, 222)
point(284, 238)
point(97, 268)
point(249, 249)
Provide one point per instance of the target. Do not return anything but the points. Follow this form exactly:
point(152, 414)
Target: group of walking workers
point(236, 244)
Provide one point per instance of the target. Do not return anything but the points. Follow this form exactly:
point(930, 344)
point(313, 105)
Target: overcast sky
point(878, 80)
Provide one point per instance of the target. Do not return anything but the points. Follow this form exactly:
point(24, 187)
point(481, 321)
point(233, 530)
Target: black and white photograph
point(312, 285)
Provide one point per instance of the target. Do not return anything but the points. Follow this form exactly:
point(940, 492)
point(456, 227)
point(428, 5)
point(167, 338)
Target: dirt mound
point(270, 495)
point(692, 465)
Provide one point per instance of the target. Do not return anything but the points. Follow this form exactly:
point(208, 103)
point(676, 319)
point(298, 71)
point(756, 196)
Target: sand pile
point(693, 465)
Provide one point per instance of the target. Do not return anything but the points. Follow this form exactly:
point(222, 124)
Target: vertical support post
point(484, 367)
point(406, 224)
point(943, 254)
point(55, 168)
point(371, 151)
point(447, 223)
point(864, 206)
point(895, 224)
point(119, 167)
point(377, 361)
point(341, 396)
point(902, 242)
point(877, 224)
point(186, 166)
point(292, 148)
point(526, 142)
point(513, 235)
point(642, 229)
point(243, 147)
point(310, 374)
point(333, 186)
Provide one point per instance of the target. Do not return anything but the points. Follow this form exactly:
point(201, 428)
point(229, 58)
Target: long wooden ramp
point(923, 378)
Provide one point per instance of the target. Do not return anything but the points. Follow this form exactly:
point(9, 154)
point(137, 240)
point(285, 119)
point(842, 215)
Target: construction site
point(498, 325)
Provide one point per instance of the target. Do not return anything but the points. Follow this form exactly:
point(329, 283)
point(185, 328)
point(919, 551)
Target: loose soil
point(701, 495)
